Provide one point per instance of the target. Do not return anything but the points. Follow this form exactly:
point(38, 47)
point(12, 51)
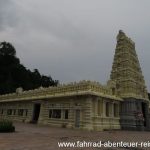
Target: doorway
point(36, 113)
point(144, 112)
point(77, 118)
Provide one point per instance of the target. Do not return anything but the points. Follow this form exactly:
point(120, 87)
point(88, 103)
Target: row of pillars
point(105, 108)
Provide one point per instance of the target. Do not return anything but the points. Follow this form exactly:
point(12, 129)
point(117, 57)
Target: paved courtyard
point(37, 137)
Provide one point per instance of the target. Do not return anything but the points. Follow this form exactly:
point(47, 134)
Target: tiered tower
point(130, 85)
point(126, 70)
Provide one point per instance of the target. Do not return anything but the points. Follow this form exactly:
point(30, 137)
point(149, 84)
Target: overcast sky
point(72, 40)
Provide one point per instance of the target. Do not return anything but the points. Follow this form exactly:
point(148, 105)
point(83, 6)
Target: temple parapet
point(62, 89)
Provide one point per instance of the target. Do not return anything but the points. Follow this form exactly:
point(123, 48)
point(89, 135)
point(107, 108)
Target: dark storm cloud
point(74, 40)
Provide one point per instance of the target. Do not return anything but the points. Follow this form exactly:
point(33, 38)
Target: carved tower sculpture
point(130, 85)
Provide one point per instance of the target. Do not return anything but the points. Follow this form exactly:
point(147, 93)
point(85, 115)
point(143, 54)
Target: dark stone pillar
point(134, 114)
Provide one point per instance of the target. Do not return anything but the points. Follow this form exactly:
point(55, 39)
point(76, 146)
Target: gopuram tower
point(130, 85)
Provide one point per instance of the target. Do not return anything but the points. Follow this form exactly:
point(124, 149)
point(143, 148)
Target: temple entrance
point(144, 112)
point(36, 112)
point(77, 118)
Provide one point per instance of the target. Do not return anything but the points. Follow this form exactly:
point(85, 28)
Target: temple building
point(121, 104)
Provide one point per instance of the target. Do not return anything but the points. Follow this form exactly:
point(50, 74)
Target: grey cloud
point(8, 14)
point(74, 40)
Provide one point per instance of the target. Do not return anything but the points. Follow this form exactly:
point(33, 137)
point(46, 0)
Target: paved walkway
point(36, 137)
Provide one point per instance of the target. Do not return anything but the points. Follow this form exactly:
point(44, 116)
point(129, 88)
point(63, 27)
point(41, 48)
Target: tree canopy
point(7, 49)
point(13, 74)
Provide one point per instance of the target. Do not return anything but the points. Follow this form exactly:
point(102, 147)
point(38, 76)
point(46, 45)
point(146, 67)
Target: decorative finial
point(121, 35)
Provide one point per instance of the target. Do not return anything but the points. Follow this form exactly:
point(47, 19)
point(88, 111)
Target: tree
point(14, 75)
point(7, 49)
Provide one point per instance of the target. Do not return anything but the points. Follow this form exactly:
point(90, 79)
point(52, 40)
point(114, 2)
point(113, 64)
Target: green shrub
point(6, 126)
